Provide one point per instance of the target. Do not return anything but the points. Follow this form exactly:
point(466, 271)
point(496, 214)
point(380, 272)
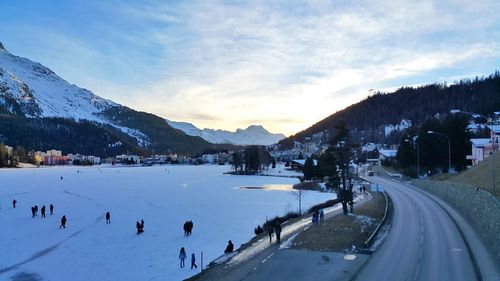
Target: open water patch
point(280, 187)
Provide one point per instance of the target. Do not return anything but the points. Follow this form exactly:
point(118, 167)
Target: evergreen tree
point(336, 162)
point(309, 169)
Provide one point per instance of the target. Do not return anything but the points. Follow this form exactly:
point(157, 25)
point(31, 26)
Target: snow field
point(164, 196)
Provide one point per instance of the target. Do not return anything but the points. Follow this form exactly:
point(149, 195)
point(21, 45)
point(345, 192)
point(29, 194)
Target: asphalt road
point(423, 242)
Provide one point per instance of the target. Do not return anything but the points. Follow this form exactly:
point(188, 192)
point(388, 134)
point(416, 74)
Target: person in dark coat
point(315, 216)
point(63, 222)
point(138, 225)
point(229, 248)
point(36, 210)
point(14, 203)
point(108, 217)
point(190, 227)
point(277, 230)
point(270, 231)
point(51, 207)
point(193, 261)
point(142, 226)
point(185, 228)
point(43, 211)
point(182, 256)
point(32, 212)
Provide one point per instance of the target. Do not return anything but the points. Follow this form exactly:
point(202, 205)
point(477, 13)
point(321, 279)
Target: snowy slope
point(164, 197)
point(254, 134)
point(44, 94)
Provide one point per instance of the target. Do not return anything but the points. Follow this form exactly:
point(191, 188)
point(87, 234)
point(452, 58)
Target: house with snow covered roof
point(495, 135)
point(481, 149)
point(387, 155)
point(298, 164)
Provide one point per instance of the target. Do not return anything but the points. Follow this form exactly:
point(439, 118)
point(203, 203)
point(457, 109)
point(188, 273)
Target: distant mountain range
point(253, 135)
point(40, 110)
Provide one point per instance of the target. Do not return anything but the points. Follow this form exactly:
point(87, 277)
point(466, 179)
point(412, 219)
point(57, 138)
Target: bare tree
point(299, 193)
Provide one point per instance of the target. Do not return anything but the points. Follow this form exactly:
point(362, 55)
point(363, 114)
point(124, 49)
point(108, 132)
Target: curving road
point(423, 242)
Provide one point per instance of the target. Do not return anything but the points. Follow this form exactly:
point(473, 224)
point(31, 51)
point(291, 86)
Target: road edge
point(477, 268)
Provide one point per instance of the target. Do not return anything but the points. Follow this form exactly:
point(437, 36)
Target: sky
point(229, 64)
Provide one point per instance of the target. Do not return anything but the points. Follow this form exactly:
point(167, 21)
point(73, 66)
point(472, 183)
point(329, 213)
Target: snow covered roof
point(494, 128)
point(480, 142)
point(303, 162)
point(388, 152)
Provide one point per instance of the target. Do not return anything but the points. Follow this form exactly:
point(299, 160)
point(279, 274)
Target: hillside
point(414, 104)
point(481, 175)
point(40, 110)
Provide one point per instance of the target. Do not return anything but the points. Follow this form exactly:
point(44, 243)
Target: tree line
point(18, 155)
point(417, 104)
point(252, 160)
point(430, 150)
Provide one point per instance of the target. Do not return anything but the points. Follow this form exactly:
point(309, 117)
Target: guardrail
point(370, 239)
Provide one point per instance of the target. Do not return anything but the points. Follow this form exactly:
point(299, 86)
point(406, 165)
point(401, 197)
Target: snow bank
point(165, 197)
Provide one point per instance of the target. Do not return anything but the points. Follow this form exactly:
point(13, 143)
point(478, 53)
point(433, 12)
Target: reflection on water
point(282, 187)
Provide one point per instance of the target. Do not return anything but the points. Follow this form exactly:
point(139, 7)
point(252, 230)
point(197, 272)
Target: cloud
point(223, 64)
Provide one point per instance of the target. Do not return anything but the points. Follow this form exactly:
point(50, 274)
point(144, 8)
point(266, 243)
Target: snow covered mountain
point(39, 92)
point(29, 89)
point(254, 134)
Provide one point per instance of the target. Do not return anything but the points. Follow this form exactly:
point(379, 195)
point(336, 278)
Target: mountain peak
point(256, 128)
point(2, 48)
point(254, 134)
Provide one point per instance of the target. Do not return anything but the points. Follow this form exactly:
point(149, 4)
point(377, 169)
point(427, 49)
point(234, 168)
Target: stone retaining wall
point(479, 207)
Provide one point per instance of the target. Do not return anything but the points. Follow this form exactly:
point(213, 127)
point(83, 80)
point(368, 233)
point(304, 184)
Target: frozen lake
point(163, 196)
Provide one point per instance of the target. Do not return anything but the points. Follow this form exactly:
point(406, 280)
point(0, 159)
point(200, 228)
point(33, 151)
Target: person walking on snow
point(36, 210)
point(32, 212)
point(321, 215)
point(138, 226)
point(182, 256)
point(14, 203)
point(186, 228)
point(51, 207)
point(108, 217)
point(277, 229)
point(193, 261)
point(270, 231)
point(43, 211)
point(63, 222)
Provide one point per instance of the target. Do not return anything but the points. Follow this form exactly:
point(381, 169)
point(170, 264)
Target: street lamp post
point(449, 147)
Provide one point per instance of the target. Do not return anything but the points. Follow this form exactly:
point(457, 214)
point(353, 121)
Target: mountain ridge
point(29, 90)
point(252, 135)
point(368, 118)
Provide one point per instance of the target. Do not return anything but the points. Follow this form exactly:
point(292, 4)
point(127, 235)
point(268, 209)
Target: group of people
point(140, 226)
point(188, 228)
point(183, 256)
point(362, 189)
point(318, 216)
point(274, 228)
point(34, 209)
point(34, 212)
